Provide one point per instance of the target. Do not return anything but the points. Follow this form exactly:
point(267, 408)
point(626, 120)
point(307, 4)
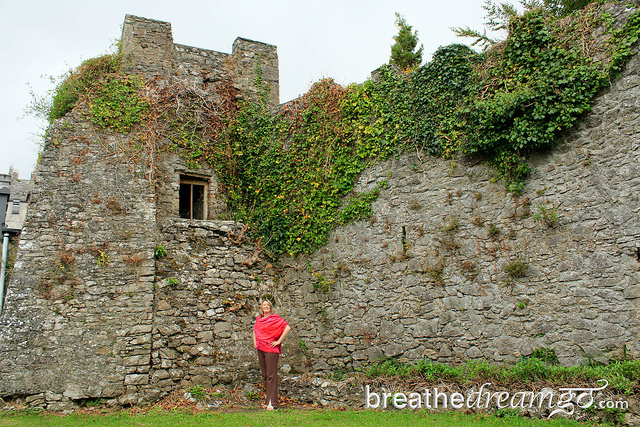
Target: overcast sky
point(341, 39)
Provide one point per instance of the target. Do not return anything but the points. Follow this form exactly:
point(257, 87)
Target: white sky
point(341, 39)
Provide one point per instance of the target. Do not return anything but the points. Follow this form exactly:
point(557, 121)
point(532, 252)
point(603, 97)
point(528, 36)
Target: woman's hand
point(282, 337)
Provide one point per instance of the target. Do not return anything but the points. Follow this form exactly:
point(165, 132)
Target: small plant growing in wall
point(102, 259)
point(160, 252)
point(198, 392)
point(324, 316)
point(338, 373)
point(477, 220)
point(134, 260)
point(451, 226)
point(414, 205)
point(516, 268)
point(253, 395)
point(322, 284)
point(469, 268)
point(59, 278)
point(436, 271)
point(546, 354)
point(115, 206)
point(65, 263)
point(548, 215)
point(100, 252)
point(526, 211)
point(304, 348)
point(493, 231)
point(448, 243)
point(199, 244)
point(45, 289)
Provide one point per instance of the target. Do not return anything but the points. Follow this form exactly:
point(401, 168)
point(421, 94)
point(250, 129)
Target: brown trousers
point(269, 367)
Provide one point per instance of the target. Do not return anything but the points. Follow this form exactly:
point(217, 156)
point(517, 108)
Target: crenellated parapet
point(149, 50)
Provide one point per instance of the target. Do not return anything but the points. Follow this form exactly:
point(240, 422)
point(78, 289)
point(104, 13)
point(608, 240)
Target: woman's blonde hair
point(260, 307)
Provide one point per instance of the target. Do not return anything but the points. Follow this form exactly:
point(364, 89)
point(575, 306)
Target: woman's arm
point(255, 342)
point(282, 337)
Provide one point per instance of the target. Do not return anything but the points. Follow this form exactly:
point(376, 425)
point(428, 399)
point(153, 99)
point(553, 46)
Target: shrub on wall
point(112, 96)
point(289, 176)
point(79, 82)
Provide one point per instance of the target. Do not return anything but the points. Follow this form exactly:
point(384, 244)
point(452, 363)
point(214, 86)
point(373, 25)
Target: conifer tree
point(402, 52)
point(499, 14)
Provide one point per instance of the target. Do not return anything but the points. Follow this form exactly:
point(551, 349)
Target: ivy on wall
point(441, 89)
point(536, 88)
point(290, 176)
point(114, 99)
point(292, 172)
point(287, 175)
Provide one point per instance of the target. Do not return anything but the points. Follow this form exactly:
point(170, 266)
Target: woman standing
point(268, 333)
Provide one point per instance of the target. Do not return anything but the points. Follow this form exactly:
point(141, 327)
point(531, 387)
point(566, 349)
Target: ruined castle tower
point(88, 314)
point(130, 283)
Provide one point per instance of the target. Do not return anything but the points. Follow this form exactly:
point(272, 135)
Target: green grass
point(622, 375)
point(280, 418)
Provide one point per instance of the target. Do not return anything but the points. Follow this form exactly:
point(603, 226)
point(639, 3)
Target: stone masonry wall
point(253, 60)
point(148, 50)
point(91, 313)
point(425, 276)
point(84, 316)
point(147, 46)
point(205, 304)
point(79, 310)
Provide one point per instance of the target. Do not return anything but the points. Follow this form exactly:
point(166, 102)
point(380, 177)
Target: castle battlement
point(149, 50)
point(130, 281)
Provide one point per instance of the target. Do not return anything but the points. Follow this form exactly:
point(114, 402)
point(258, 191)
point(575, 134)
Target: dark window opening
point(193, 197)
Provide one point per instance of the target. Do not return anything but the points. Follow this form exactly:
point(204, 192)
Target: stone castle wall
point(80, 302)
point(91, 312)
point(148, 49)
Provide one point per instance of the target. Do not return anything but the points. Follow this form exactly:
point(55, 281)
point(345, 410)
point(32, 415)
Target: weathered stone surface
point(136, 379)
point(109, 330)
point(36, 400)
point(75, 392)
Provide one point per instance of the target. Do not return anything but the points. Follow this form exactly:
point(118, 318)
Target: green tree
point(402, 52)
point(496, 20)
point(500, 14)
point(564, 7)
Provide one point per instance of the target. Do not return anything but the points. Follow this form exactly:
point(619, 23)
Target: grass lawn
point(280, 418)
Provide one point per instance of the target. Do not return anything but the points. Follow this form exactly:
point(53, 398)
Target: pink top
point(268, 330)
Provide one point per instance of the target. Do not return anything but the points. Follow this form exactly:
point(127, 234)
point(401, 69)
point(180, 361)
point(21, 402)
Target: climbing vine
point(113, 97)
point(116, 103)
point(286, 175)
point(290, 176)
point(536, 87)
point(441, 88)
